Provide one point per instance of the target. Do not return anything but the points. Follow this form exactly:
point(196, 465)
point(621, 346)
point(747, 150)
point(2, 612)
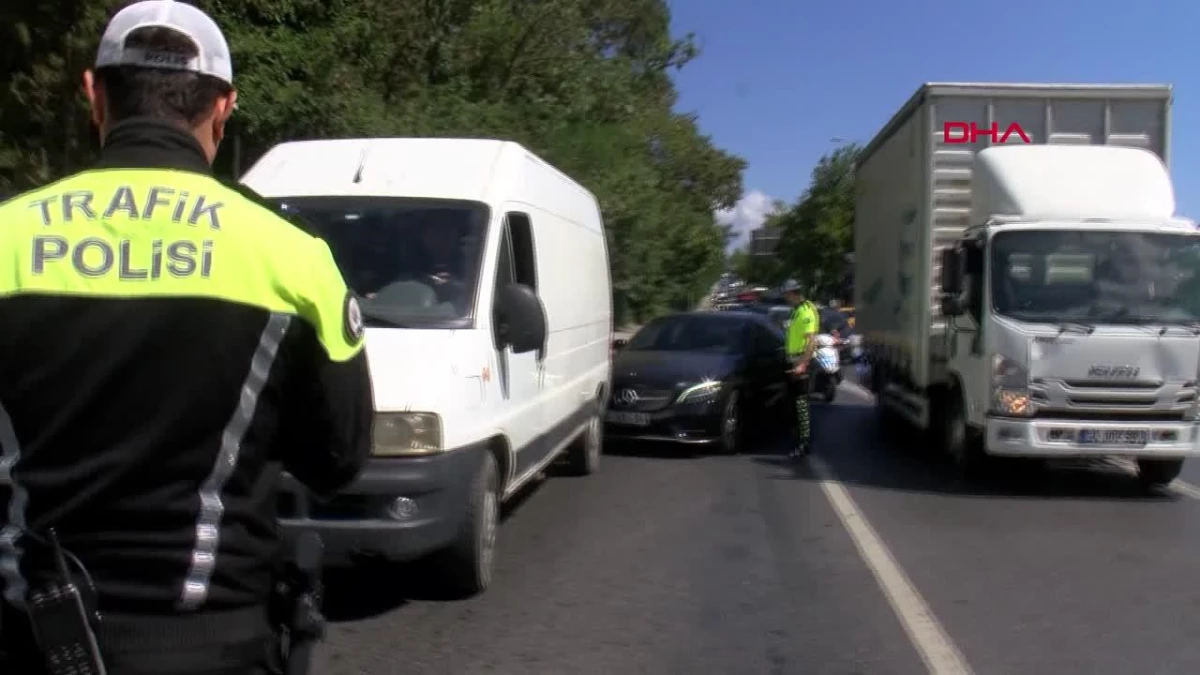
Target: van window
point(524, 263)
point(504, 262)
point(414, 263)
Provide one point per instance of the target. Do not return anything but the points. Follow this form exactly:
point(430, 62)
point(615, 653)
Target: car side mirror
point(952, 306)
point(520, 319)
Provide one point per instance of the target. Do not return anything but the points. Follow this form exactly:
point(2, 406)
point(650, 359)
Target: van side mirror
point(952, 272)
point(520, 319)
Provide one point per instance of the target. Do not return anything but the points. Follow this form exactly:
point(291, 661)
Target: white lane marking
point(1178, 486)
point(931, 641)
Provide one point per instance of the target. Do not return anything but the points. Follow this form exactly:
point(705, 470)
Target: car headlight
point(400, 434)
point(705, 392)
point(1010, 387)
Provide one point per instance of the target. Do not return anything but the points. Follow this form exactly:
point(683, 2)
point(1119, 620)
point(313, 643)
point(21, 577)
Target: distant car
point(778, 314)
point(781, 315)
point(695, 378)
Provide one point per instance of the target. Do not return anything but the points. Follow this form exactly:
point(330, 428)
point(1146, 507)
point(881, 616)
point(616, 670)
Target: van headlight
point(399, 434)
point(705, 392)
point(1010, 388)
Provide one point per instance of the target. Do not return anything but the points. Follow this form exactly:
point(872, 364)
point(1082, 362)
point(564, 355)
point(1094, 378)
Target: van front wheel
point(583, 457)
point(464, 568)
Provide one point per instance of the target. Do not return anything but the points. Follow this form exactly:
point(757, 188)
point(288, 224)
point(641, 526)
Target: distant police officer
point(801, 343)
point(167, 342)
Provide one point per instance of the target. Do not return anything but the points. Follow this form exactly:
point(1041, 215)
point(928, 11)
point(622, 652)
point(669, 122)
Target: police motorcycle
point(828, 372)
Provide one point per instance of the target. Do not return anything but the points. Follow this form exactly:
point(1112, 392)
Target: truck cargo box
point(914, 189)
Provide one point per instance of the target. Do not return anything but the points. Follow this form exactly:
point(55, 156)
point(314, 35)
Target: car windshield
point(718, 335)
point(1096, 277)
point(414, 263)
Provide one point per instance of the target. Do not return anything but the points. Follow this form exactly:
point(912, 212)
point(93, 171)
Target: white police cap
point(212, 58)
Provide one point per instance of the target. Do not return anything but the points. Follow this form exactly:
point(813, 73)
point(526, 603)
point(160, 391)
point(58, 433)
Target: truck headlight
point(400, 434)
point(1192, 414)
point(1010, 388)
point(705, 392)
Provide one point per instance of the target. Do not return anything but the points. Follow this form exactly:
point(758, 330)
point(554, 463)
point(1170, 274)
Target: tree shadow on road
point(854, 453)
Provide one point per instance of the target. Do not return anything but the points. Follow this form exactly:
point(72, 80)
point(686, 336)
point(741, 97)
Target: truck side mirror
point(952, 273)
point(952, 305)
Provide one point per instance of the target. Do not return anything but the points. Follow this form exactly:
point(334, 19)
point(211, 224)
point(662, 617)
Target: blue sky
point(778, 79)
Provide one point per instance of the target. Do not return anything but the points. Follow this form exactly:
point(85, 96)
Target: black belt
point(126, 632)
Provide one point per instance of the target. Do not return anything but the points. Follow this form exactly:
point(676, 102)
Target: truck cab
point(1072, 312)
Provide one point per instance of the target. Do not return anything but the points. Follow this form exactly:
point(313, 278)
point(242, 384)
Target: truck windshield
point(413, 263)
point(1096, 277)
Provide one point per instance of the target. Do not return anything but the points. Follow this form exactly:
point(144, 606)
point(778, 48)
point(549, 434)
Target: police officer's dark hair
point(171, 95)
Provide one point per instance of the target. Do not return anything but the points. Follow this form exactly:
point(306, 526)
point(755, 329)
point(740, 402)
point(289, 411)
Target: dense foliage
point(816, 232)
point(584, 83)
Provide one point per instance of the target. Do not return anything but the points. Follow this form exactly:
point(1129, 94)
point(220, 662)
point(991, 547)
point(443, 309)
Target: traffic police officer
point(801, 342)
point(168, 344)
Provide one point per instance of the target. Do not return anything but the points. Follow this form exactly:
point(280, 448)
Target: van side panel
point(573, 283)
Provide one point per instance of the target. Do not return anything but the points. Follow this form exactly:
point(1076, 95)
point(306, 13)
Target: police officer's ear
point(95, 97)
point(222, 111)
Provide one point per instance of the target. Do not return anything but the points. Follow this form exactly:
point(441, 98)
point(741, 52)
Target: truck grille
point(1087, 398)
point(647, 400)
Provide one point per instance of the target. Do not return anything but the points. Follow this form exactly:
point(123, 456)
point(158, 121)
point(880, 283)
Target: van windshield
point(1096, 277)
point(414, 263)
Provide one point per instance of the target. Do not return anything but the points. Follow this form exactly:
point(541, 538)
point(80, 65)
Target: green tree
point(584, 83)
point(818, 231)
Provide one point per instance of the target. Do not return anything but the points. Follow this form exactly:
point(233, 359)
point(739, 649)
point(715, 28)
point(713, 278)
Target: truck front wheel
point(960, 441)
point(1156, 473)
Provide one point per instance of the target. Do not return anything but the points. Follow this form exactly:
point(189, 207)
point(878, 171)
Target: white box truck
point(1024, 287)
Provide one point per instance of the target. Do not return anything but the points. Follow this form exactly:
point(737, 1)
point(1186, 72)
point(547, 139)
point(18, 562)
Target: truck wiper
point(1111, 315)
point(1076, 327)
point(1191, 327)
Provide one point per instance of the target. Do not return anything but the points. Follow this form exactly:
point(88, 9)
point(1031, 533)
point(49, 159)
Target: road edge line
point(926, 633)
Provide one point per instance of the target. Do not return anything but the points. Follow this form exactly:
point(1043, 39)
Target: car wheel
point(584, 456)
point(1156, 473)
point(731, 424)
point(464, 568)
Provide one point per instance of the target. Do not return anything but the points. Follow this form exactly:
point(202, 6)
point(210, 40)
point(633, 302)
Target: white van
point(482, 274)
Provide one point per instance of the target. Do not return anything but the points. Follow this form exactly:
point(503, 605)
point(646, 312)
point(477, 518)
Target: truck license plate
point(629, 418)
point(1114, 436)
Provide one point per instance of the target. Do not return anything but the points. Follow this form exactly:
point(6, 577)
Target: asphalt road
point(869, 559)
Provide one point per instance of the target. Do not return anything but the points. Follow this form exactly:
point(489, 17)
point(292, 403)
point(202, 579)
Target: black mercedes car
point(695, 378)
